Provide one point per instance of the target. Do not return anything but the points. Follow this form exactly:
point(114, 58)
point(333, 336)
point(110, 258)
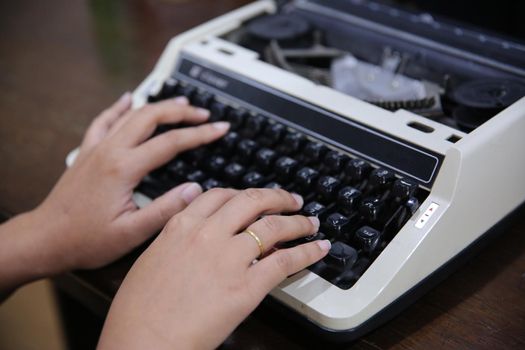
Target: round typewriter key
point(341, 255)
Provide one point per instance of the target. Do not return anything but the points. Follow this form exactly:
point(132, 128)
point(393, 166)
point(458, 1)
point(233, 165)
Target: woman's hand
point(89, 219)
point(196, 282)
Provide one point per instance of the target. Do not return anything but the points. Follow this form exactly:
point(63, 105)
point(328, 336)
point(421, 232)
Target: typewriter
point(404, 133)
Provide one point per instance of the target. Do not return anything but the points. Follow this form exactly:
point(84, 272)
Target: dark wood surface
point(63, 61)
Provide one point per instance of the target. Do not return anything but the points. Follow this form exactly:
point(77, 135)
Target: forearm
point(28, 250)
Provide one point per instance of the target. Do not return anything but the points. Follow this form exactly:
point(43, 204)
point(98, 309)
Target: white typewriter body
point(479, 182)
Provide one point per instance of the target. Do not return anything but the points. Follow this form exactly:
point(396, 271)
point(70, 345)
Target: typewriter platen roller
point(403, 129)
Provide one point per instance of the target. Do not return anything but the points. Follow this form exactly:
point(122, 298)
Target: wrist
point(29, 250)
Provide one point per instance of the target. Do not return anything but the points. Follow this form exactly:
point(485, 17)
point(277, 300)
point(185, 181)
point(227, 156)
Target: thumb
point(146, 221)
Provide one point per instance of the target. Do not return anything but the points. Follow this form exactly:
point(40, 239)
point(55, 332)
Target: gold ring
point(258, 240)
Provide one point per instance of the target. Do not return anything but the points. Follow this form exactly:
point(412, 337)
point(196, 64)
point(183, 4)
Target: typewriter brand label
point(207, 76)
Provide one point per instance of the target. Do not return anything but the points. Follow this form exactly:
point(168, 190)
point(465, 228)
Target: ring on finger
point(258, 240)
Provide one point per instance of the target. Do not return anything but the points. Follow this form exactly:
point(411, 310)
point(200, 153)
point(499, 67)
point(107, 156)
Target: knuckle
point(272, 223)
point(254, 194)
point(283, 263)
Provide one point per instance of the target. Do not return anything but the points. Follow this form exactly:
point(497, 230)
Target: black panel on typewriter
point(361, 206)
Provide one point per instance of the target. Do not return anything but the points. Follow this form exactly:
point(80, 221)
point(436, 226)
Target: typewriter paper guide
point(470, 154)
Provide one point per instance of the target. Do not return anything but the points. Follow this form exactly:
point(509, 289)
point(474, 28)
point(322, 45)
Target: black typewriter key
point(357, 169)
point(334, 161)
point(202, 99)
point(368, 238)
point(335, 224)
point(403, 188)
point(254, 125)
point(252, 179)
point(236, 117)
point(341, 255)
point(315, 237)
point(186, 90)
point(246, 150)
point(178, 169)
point(151, 187)
point(218, 111)
point(348, 199)
point(215, 163)
point(211, 183)
point(264, 159)
point(327, 187)
point(370, 208)
point(292, 143)
point(313, 209)
point(195, 156)
point(412, 204)
point(233, 172)
point(274, 185)
point(285, 167)
point(169, 89)
point(305, 178)
point(228, 143)
point(273, 133)
point(381, 178)
point(314, 151)
point(196, 176)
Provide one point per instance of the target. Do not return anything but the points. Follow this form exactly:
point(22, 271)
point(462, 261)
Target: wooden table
point(63, 61)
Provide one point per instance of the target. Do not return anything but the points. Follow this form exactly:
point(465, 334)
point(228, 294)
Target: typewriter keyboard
point(361, 206)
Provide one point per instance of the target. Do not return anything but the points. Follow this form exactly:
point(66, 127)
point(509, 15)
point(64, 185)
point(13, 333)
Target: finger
point(164, 147)
point(181, 100)
point(144, 121)
point(208, 203)
point(144, 222)
point(101, 124)
point(273, 269)
point(272, 229)
point(249, 204)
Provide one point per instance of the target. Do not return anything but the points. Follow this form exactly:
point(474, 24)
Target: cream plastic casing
point(480, 181)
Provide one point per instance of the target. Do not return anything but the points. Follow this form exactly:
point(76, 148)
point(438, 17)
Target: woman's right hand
point(197, 281)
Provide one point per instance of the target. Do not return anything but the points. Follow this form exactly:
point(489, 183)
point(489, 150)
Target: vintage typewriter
point(404, 133)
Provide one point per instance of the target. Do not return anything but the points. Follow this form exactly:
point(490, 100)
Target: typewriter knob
point(341, 255)
point(246, 149)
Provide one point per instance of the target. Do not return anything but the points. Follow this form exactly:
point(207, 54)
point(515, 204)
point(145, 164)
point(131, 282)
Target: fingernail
point(181, 100)
point(125, 97)
point(298, 199)
point(325, 245)
point(315, 221)
point(222, 126)
point(202, 112)
point(191, 192)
